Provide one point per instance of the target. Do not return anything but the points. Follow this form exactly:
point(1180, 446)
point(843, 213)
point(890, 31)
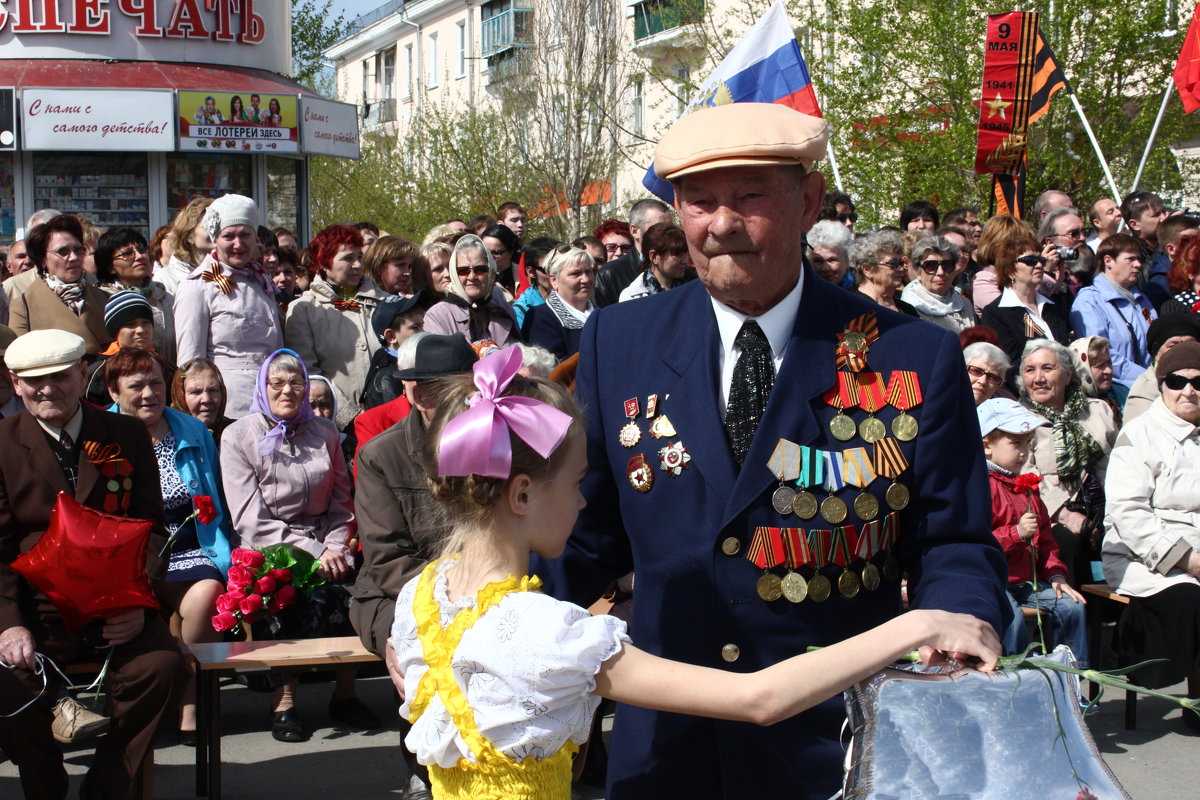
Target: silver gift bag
point(936, 734)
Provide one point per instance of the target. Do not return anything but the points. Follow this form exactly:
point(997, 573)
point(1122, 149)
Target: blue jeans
point(1066, 615)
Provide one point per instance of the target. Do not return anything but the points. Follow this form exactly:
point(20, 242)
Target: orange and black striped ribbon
point(347, 305)
point(766, 548)
point(1032, 331)
point(871, 394)
point(845, 394)
point(223, 281)
point(855, 361)
point(888, 459)
point(904, 390)
point(795, 542)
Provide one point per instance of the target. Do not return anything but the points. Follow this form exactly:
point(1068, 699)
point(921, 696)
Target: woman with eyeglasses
point(558, 324)
point(1151, 550)
point(286, 482)
point(61, 298)
point(879, 269)
point(123, 263)
point(474, 306)
point(932, 294)
point(1022, 312)
point(504, 246)
point(986, 368)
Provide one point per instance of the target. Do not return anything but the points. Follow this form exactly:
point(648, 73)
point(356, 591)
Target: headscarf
point(457, 295)
point(1074, 448)
point(1083, 367)
point(281, 428)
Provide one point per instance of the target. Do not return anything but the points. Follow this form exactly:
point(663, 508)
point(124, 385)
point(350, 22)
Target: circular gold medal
point(781, 500)
point(870, 577)
point(770, 587)
point(112, 486)
point(805, 505)
point(866, 507)
point(897, 496)
point(630, 435)
point(891, 570)
point(795, 588)
point(904, 427)
point(842, 427)
point(872, 429)
point(833, 510)
point(819, 588)
point(854, 342)
point(848, 584)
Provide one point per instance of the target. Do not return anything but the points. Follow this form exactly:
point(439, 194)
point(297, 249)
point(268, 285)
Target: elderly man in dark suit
point(50, 449)
point(709, 409)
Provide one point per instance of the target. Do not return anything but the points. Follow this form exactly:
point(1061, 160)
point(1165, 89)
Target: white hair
point(830, 233)
point(993, 356)
point(406, 353)
point(537, 361)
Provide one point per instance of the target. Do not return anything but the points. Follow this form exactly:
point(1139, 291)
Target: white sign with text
point(97, 119)
point(329, 128)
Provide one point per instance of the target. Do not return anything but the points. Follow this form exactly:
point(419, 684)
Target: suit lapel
point(87, 475)
point(39, 455)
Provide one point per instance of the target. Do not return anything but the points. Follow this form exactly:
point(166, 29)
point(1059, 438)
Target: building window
point(684, 90)
point(655, 16)
point(388, 75)
point(460, 60)
point(366, 80)
point(431, 60)
point(506, 24)
point(408, 72)
point(637, 103)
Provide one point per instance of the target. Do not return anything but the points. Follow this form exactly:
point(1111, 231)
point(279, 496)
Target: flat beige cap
point(43, 352)
point(740, 135)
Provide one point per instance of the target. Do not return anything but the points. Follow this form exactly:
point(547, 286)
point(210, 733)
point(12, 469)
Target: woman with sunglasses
point(879, 269)
point(932, 294)
point(1022, 312)
point(475, 305)
point(123, 263)
point(986, 368)
point(1151, 551)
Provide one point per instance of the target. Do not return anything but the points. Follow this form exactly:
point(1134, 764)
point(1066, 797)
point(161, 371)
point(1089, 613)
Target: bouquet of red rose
point(264, 582)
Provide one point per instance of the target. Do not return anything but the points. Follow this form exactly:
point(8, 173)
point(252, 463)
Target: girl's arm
point(789, 687)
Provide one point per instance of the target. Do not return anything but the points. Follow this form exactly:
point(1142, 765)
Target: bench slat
point(280, 654)
point(1105, 591)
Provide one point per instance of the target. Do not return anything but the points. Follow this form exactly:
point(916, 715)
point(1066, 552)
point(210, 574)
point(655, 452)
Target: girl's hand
point(1027, 526)
point(1061, 587)
point(334, 567)
point(957, 636)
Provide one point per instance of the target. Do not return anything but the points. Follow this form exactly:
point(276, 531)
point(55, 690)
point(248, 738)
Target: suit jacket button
point(731, 546)
point(731, 652)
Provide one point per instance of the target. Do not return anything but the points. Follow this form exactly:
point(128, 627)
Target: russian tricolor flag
point(764, 67)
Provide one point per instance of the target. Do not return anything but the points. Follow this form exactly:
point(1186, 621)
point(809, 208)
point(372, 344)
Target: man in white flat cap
point(50, 449)
point(709, 407)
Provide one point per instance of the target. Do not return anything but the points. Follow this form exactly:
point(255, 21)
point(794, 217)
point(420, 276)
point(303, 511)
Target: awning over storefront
point(85, 74)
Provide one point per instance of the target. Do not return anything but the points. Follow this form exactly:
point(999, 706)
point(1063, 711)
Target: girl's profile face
point(557, 500)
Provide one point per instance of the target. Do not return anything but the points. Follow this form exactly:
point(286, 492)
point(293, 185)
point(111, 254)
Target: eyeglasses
point(1176, 382)
point(1076, 233)
point(850, 217)
point(894, 263)
point(498, 252)
point(1032, 261)
point(613, 247)
point(129, 252)
point(931, 266)
point(482, 269)
point(66, 252)
point(976, 373)
point(280, 385)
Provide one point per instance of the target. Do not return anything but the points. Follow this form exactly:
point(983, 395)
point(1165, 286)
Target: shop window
point(205, 175)
point(111, 190)
point(8, 199)
point(284, 193)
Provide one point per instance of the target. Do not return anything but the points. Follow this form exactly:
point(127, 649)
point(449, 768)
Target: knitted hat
point(1185, 355)
point(230, 209)
point(125, 307)
point(1170, 325)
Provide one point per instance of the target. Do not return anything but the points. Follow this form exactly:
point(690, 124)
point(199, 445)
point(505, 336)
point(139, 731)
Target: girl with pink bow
point(501, 681)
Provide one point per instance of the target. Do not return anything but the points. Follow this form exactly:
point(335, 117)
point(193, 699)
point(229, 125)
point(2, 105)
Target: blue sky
point(352, 8)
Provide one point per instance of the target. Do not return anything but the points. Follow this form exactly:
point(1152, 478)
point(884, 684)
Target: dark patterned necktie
point(753, 377)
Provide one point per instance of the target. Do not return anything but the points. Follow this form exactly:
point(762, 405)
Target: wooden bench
point(1095, 616)
point(142, 787)
point(214, 660)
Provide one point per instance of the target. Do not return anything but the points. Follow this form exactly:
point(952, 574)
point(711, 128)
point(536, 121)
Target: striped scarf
point(70, 293)
point(1074, 448)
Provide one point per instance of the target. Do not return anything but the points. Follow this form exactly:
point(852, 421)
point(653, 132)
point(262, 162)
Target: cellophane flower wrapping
point(921, 733)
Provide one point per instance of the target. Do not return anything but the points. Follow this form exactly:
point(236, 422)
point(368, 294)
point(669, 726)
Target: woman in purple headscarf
point(286, 481)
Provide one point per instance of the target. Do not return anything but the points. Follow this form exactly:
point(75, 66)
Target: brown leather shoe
point(74, 723)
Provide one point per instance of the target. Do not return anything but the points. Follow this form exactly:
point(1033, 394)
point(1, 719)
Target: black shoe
point(353, 713)
point(286, 727)
point(187, 738)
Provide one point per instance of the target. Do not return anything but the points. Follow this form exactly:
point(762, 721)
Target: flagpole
point(837, 176)
point(1162, 109)
point(1112, 184)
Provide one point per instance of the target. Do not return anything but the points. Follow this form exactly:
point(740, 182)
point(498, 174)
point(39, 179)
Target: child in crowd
point(501, 681)
point(1021, 524)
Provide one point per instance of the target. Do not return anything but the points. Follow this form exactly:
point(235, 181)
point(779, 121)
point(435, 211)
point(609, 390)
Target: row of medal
point(673, 459)
point(842, 546)
point(808, 467)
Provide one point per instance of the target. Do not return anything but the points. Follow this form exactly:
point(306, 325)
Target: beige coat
point(39, 308)
point(336, 343)
point(1143, 392)
point(1152, 503)
point(1055, 492)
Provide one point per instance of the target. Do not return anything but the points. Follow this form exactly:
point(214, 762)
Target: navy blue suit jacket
point(690, 598)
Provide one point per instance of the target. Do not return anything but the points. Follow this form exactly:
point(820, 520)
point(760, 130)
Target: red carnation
point(240, 577)
point(227, 602)
point(265, 585)
point(281, 575)
point(1027, 482)
point(224, 621)
point(206, 509)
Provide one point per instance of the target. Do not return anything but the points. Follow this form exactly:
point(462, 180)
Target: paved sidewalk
point(1156, 760)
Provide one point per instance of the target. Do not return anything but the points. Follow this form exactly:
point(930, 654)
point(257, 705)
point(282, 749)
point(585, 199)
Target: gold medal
point(795, 588)
point(848, 584)
point(904, 427)
point(872, 429)
point(833, 510)
point(629, 435)
point(804, 505)
point(842, 427)
point(854, 341)
point(897, 496)
point(639, 473)
point(891, 569)
point(782, 499)
point(770, 587)
point(661, 428)
point(819, 588)
point(866, 507)
point(870, 577)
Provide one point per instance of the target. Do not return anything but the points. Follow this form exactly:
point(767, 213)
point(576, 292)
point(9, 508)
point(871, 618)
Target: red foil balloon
point(91, 565)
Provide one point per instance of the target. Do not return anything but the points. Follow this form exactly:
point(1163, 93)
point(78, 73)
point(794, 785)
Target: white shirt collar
point(74, 426)
point(1009, 299)
point(777, 324)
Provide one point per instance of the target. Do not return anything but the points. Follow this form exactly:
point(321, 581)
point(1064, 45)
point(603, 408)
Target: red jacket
point(1008, 506)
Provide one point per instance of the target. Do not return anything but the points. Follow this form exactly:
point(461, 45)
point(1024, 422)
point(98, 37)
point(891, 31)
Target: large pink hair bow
point(477, 441)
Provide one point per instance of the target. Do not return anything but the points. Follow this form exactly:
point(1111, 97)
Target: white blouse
point(527, 667)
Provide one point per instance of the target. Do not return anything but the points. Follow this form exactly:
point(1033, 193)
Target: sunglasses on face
point(482, 269)
point(129, 252)
point(977, 373)
point(850, 217)
point(497, 252)
point(1176, 382)
point(931, 265)
point(1032, 261)
point(1076, 233)
point(894, 263)
point(67, 252)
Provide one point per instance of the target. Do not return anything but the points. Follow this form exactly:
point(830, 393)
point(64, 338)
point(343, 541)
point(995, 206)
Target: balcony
point(657, 16)
point(506, 31)
point(378, 112)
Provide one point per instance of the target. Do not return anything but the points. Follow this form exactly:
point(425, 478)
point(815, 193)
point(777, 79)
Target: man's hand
point(1061, 587)
point(17, 648)
point(121, 628)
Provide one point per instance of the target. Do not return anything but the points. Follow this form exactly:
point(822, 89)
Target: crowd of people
point(312, 391)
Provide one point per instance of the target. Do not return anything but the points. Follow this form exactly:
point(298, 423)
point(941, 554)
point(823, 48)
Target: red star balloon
point(91, 565)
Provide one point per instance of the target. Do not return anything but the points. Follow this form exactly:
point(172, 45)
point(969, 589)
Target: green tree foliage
point(900, 82)
point(314, 29)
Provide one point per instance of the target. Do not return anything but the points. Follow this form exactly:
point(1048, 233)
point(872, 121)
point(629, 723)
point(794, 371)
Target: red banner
point(1187, 68)
point(1007, 87)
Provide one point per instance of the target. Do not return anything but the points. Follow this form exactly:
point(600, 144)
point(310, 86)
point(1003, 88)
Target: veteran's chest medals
point(903, 393)
point(866, 547)
point(797, 554)
point(819, 588)
point(785, 466)
point(765, 552)
point(631, 433)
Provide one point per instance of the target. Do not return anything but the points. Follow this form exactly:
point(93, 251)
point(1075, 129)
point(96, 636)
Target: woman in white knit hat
point(225, 310)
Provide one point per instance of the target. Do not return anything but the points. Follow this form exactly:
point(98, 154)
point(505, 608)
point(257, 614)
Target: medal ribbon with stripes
point(853, 344)
point(904, 390)
point(891, 527)
point(818, 543)
point(888, 460)
point(786, 461)
point(868, 540)
point(840, 548)
point(766, 548)
point(812, 467)
point(795, 543)
point(858, 467)
point(835, 480)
